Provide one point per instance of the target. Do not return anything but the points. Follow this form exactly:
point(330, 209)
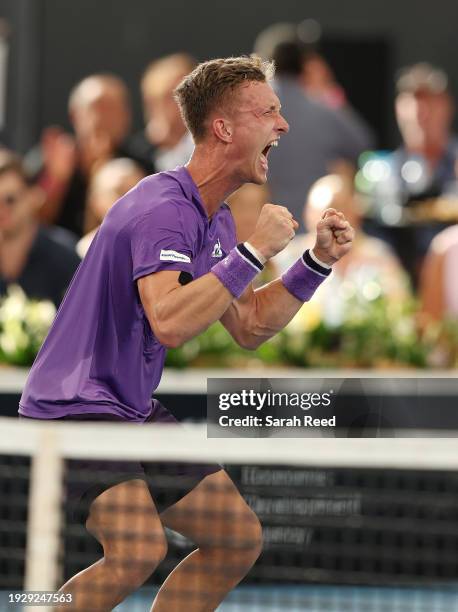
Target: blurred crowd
point(402, 203)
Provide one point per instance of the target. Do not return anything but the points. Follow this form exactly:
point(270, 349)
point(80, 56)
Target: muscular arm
point(178, 313)
point(258, 315)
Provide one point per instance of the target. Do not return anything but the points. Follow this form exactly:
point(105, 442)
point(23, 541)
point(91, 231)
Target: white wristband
point(255, 252)
point(318, 261)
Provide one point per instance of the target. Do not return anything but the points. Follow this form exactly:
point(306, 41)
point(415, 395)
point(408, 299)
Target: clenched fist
point(334, 236)
point(275, 228)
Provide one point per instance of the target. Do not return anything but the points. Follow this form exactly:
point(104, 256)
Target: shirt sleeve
point(165, 239)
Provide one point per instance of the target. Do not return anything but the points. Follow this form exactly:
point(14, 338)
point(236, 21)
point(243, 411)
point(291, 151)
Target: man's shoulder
point(159, 201)
point(163, 192)
point(169, 183)
point(153, 195)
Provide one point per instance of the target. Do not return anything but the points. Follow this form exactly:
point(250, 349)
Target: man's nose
point(283, 125)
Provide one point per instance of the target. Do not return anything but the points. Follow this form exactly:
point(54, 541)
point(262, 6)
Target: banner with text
point(345, 407)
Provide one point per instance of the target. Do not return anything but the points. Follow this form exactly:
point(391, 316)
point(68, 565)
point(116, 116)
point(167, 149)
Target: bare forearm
point(274, 305)
point(273, 308)
point(268, 311)
point(188, 310)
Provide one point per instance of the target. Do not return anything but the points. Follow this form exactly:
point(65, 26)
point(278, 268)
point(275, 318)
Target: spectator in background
point(321, 136)
point(317, 77)
point(31, 255)
point(438, 280)
point(99, 109)
point(319, 82)
point(370, 259)
point(424, 113)
point(170, 144)
point(421, 169)
point(109, 183)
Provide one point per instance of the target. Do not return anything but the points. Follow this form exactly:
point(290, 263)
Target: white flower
point(14, 305)
point(13, 337)
point(23, 323)
point(40, 315)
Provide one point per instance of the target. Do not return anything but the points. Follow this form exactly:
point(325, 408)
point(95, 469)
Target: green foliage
point(374, 333)
point(23, 326)
point(368, 333)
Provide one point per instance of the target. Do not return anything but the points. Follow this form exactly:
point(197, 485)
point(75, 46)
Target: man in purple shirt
point(164, 265)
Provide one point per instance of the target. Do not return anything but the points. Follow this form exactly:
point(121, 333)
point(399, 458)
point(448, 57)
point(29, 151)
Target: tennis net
point(361, 525)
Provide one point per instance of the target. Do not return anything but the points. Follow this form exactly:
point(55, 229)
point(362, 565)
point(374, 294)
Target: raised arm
point(259, 315)
point(178, 312)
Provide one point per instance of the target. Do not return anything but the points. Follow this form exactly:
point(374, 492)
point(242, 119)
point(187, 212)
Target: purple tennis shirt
point(100, 355)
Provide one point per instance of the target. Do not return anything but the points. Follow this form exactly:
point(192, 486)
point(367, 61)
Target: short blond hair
point(208, 85)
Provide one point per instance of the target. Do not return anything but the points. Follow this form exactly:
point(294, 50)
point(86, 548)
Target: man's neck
point(208, 170)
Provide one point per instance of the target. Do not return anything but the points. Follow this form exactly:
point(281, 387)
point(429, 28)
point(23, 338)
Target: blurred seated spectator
point(99, 110)
point(424, 113)
point(319, 82)
point(370, 259)
point(438, 280)
point(165, 135)
point(317, 77)
point(31, 255)
point(319, 135)
point(109, 183)
point(420, 170)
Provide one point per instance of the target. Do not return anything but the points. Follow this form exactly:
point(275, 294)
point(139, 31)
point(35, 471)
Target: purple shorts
point(168, 481)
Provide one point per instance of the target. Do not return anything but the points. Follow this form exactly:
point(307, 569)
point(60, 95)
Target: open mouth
point(265, 153)
point(266, 150)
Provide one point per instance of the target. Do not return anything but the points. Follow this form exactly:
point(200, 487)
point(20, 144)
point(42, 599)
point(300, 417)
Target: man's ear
point(223, 129)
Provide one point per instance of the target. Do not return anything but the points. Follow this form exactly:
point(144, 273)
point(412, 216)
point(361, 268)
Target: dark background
point(54, 43)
